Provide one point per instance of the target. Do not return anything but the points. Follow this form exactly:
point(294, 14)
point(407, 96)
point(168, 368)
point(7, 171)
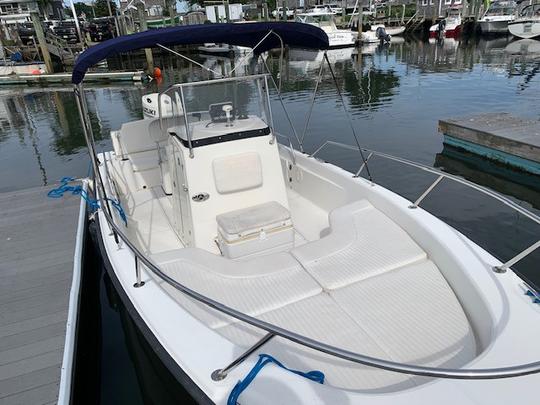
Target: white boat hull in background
point(371, 35)
point(341, 38)
point(526, 28)
point(491, 26)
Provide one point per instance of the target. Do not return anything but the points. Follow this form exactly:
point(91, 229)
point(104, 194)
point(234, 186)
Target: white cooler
point(261, 228)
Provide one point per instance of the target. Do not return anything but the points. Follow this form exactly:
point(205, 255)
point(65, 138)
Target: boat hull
point(493, 27)
point(452, 32)
point(181, 376)
point(526, 29)
point(341, 39)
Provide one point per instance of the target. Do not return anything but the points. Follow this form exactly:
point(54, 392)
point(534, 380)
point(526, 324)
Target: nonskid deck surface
point(402, 310)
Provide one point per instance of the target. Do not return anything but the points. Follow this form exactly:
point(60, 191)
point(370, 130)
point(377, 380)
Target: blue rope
point(78, 190)
point(265, 359)
point(535, 297)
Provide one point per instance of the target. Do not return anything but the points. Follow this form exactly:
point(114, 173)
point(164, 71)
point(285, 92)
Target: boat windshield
point(222, 102)
point(530, 11)
point(494, 11)
point(320, 20)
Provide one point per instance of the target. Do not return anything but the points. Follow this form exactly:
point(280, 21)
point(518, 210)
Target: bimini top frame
point(292, 34)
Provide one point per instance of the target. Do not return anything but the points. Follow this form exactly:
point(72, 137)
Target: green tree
point(79, 9)
point(102, 9)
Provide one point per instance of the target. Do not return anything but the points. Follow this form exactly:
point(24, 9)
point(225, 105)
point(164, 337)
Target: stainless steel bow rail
point(441, 176)
point(273, 330)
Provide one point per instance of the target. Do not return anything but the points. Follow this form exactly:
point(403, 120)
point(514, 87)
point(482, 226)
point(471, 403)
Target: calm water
point(396, 95)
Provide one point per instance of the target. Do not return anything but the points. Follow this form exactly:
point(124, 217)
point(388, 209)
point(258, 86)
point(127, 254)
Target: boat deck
point(36, 266)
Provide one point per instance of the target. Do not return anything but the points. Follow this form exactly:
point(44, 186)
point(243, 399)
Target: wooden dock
point(502, 137)
point(37, 250)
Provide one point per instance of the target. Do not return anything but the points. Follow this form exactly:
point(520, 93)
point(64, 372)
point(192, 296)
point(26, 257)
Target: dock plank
point(36, 264)
point(498, 131)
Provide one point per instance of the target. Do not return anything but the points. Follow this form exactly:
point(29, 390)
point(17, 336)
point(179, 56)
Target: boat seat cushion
point(409, 315)
point(253, 286)
point(135, 136)
point(238, 172)
point(262, 217)
point(362, 243)
point(414, 315)
point(142, 161)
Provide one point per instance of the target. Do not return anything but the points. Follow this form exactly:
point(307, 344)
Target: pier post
point(172, 14)
point(265, 11)
point(283, 11)
point(41, 40)
point(143, 27)
point(227, 11)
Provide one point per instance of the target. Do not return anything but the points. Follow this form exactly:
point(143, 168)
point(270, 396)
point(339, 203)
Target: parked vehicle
point(101, 29)
point(67, 31)
point(26, 33)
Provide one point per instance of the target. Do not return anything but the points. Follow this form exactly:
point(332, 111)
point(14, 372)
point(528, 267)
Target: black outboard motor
point(381, 34)
point(441, 28)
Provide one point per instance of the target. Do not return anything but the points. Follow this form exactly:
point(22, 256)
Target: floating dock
point(502, 137)
point(65, 78)
point(40, 258)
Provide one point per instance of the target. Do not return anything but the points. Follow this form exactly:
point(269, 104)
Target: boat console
point(228, 195)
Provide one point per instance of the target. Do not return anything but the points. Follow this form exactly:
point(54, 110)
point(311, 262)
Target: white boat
point(496, 18)
point(217, 49)
point(378, 33)
point(527, 25)
point(325, 20)
point(238, 252)
point(8, 69)
point(449, 27)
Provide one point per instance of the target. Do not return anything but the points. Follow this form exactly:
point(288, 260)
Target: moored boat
point(496, 18)
point(527, 25)
point(238, 252)
point(381, 33)
point(449, 27)
point(337, 38)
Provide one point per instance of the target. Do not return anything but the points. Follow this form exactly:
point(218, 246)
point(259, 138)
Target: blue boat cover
point(295, 35)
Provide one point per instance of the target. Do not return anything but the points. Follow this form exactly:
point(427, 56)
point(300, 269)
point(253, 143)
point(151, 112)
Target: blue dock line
point(78, 190)
point(264, 359)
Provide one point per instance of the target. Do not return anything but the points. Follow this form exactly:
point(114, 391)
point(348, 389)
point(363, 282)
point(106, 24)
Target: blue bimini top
point(296, 35)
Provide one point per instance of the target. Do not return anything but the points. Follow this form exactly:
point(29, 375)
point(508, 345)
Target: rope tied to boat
point(65, 187)
point(264, 359)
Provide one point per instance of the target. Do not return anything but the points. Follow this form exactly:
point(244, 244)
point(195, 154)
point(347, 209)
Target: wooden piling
point(143, 27)
point(41, 40)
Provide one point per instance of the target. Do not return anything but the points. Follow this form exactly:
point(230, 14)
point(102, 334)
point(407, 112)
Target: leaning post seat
point(264, 227)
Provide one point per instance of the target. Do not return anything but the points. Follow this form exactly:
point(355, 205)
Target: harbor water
point(395, 95)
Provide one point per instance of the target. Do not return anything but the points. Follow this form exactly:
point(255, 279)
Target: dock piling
point(41, 40)
point(144, 27)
